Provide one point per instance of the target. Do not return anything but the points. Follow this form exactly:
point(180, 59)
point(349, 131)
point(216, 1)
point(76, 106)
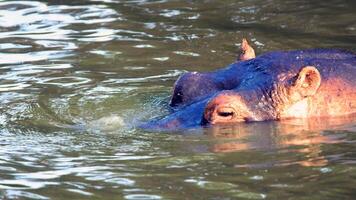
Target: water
point(76, 76)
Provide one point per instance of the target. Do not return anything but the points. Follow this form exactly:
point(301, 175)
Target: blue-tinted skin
point(259, 75)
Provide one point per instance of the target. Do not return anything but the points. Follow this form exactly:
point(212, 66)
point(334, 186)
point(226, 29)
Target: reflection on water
point(76, 76)
point(307, 134)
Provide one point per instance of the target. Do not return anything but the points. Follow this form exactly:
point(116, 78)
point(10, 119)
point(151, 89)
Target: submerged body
point(273, 86)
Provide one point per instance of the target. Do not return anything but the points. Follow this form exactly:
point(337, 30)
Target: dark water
point(75, 76)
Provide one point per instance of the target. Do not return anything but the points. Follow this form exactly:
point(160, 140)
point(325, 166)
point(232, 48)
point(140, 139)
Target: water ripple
point(13, 58)
point(45, 175)
point(50, 27)
point(19, 194)
point(23, 184)
point(162, 77)
point(38, 16)
point(67, 81)
point(13, 87)
point(142, 196)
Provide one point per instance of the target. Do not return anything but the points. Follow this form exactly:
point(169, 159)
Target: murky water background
point(76, 76)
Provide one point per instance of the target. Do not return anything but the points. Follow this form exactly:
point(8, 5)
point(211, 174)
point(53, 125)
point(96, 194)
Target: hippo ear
point(247, 52)
point(307, 82)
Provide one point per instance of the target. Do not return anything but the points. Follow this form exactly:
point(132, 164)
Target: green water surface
point(76, 76)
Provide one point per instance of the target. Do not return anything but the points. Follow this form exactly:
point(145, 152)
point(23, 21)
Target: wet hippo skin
point(273, 86)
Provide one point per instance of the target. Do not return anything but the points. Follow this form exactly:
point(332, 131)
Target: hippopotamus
point(276, 85)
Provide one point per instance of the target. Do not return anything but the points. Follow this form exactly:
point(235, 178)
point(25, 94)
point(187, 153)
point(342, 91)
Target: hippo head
point(194, 86)
point(273, 86)
point(274, 97)
point(191, 87)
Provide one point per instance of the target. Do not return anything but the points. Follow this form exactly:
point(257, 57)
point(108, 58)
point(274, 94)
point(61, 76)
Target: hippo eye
point(225, 112)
